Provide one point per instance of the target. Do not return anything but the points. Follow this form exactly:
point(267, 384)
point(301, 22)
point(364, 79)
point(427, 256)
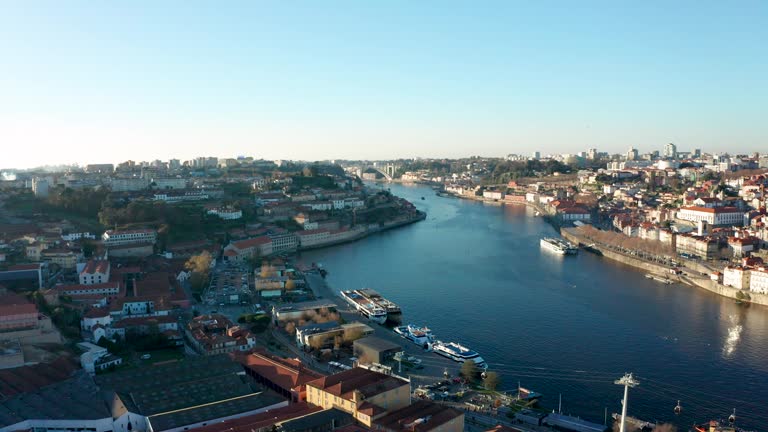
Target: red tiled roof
point(96, 313)
point(14, 304)
point(367, 382)
point(29, 378)
point(713, 210)
point(22, 267)
point(261, 420)
point(249, 243)
point(95, 266)
point(286, 373)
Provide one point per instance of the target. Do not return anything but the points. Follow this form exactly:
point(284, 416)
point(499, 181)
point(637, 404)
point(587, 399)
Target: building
point(129, 184)
point(95, 272)
point(97, 358)
point(16, 313)
point(702, 247)
point(296, 311)
point(422, 416)
point(216, 334)
point(372, 349)
point(128, 237)
point(183, 395)
point(248, 248)
point(288, 377)
point(364, 394)
point(758, 280)
point(40, 187)
point(169, 183)
point(715, 216)
point(23, 274)
point(493, 195)
point(322, 335)
point(310, 238)
point(64, 258)
point(283, 241)
point(737, 277)
point(226, 213)
point(670, 151)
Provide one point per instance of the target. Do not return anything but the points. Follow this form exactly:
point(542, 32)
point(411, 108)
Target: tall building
point(592, 154)
point(174, 164)
point(696, 153)
point(670, 151)
point(537, 155)
point(632, 154)
point(40, 187)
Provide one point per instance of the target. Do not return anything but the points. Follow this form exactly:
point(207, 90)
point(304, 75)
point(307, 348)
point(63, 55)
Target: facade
point(737, 277)
point(703, 247)
point(130, 237)
point(371, 349)
point(758, 280)
point(64, 258)
point(95, 272)
point(226, 213)
point(715, 216)
point(245, 249)
point(322, 335)
point(284, 242)
point(309, 238)
point(216, 334)
point(364, 394)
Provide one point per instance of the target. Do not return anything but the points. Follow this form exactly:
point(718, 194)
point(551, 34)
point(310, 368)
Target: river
point(475, 273)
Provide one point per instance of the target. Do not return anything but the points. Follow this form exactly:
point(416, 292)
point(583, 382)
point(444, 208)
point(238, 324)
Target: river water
point(475, 274)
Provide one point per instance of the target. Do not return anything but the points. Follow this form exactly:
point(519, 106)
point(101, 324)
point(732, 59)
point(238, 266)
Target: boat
point(560, 247)
point(378, 300)
point(366, 307)
point(717, 426)
point(523, 394)
point(458, 353)
point(659, 279)
point(421, 336)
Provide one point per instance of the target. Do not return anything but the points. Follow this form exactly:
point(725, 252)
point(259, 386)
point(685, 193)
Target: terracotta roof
point(713, 210)
point(261, 420)
point(286, 373)
point(405, 419)
point(96, 266)
point(249, 243)
point(22, 267)
point(96, 313)
point(29, 378)
point(369, 383)
point(14, 304)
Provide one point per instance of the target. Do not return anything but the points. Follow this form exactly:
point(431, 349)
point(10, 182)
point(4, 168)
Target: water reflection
point(733, 336)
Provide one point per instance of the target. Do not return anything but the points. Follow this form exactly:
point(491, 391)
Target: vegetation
point(200, 266)
point(469, 371)
point(65, 318)
point(505, 171)
point(257, 322)
point(491, 381)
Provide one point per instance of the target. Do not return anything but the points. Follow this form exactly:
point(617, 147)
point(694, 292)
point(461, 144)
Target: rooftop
point(286, 373)
point(420, 416)
point(367, 382)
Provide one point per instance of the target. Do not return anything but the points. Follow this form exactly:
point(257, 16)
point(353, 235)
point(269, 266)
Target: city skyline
point(106, 83)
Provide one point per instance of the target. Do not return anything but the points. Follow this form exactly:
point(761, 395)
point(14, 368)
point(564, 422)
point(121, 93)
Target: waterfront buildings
point(128, 237)
point(364, 394)
point(715, 216)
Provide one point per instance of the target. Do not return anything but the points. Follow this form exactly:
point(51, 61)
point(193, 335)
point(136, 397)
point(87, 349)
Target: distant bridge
point(388, 172)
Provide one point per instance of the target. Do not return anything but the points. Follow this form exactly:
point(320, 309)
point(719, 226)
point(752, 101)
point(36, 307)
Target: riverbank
point(690, 279)
point(367, 232)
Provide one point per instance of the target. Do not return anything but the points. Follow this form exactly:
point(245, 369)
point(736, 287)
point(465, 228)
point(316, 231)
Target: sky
point(104, 82)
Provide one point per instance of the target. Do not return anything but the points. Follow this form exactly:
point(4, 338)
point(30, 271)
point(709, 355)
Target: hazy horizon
point(103, 83)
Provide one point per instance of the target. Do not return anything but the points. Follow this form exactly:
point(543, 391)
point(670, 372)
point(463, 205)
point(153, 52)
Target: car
point(146, 356)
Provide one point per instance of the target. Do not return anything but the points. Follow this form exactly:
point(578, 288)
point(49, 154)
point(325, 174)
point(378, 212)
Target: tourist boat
point(458, 353)
point(366, 307)
point(378, 300)
point(560, 247)
point(421, 336)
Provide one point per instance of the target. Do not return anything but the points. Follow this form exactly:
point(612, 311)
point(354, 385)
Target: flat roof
point(377, 343)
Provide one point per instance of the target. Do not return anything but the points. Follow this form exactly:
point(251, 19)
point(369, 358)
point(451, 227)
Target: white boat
point(458, 353)
point(421, 336)
point(366, 307)
point(560, 247)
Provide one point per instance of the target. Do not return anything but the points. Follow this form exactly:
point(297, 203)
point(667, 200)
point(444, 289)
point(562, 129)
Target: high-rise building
point(696, 153)
point(537, 155)
point(670, 151)
point(632, 153)
point(40, 187)
point(174, 164)
point(592, 154)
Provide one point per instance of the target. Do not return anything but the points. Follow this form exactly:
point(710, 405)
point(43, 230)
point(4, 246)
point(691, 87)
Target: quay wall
point(658, 269)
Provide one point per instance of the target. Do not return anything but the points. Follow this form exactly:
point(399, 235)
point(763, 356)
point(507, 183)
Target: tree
point(491, 381)
point(469, 370)
point(200, 263)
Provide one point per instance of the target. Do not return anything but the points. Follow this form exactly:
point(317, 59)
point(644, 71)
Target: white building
point(169, 183)
point(713, 216)
point(758, 280)
point(116, 238)
point(129, 184)
point(226, 213)
point(40, 187)
point(96, 358)
point(494, 195)
point(737, 277)
point(95, 272)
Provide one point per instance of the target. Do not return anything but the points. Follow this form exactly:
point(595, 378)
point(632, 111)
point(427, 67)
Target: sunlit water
point(475, 273)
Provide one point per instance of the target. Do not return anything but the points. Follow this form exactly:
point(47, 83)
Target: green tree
point(469, 370)
point(491, 381)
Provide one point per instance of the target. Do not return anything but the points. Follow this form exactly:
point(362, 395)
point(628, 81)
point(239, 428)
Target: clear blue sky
point(108, 81)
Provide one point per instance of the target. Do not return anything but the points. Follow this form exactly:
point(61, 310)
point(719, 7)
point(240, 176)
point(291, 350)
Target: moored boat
point(366, 307)
point(458, 353)
point(560, 247)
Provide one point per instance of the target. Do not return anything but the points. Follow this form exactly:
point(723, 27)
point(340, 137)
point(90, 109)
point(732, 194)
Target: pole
point(560, 404)
point(627, 381)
